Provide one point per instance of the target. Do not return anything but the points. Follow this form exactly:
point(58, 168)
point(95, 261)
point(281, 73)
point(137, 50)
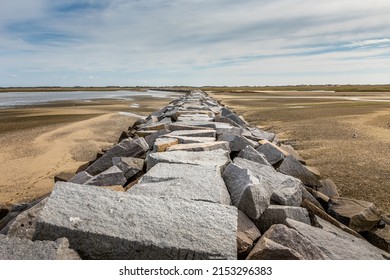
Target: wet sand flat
point(322, 130)
point(39, 142)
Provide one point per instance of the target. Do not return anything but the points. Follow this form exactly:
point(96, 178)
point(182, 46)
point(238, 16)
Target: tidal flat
point(345, 135)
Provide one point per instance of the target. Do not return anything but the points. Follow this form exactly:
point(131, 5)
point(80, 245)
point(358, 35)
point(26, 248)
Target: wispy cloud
point(193, 42)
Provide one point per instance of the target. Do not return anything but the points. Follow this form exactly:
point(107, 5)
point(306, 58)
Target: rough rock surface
point(329, 188)
point(80, 178)
point(218, 158)
point(283, 243)
point(13, 248)
point(335, 243)
point(114, 225)
point(161, 144)
point(236, 141)
point(209, 146)
point(247, 235)
point(24, 224)
point(129, 166)
point(359, 215)
point(272, 153)
point(277, 214)
point(112, 176)
point(249, 194)
point(379, 237)
point(250, 153)
point(291, 166)
point(126, 148)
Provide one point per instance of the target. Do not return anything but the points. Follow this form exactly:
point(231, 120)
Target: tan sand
point(39, 143)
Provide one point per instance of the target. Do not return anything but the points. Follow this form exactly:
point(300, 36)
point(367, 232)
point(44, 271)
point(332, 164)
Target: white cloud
point(184, 42)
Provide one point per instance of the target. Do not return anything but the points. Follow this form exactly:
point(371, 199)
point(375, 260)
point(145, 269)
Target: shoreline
point(39, 142)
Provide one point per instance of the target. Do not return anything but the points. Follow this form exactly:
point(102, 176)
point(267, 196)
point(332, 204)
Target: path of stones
point(195, 181)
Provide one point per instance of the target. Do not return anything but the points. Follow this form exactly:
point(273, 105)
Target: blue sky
point(197, 42)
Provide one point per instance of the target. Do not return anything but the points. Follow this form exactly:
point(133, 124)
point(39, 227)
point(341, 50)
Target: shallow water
point(18, 99)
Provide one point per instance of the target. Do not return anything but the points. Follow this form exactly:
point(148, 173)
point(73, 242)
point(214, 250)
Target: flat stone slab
point(178, 126)
point(195, 117)
point(192, 140)
point(359, 215)
point(218, 158)
point(337, 244)
point(200, 175)
point(161, 144)
point(209, 146)
point(183, 188)
point(129, 166)
point(102, 224)
point(13, 248)
point(193, 133)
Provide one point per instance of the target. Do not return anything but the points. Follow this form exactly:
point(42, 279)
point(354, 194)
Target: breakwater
point(195, 181)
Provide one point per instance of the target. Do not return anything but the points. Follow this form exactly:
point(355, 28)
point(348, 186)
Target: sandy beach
point(321, 126)
point(39, 142)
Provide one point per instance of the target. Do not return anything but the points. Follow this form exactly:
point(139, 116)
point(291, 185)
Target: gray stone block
point(183, 188)
point(208, 146)
point(102, 224)
point(250, 153)
point(277, 214)
point(80, 178)
point(191, 140)
point(193, 133)
point(126, 148)
point(272, 153)
point(129, 166)
point(13, 248)
point(24, 224)
point(283, 243)
point(110, 177)
point(291, 166)
point(249, 194)
point(218, 158)
point(337, 244)
point(236, 141)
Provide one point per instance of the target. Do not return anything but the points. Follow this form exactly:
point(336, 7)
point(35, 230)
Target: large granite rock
point(130, 166)
point(115, 225)
point(183, 188)
point(161, 144)
point(151, 138)
point(272, 153)
point(13, 248)
point(209, 146)
point(126, 148)
point(249, 193)
point(218, 158)
point(359, 215)
point(201, 175)
point(24, 224)
point(277, 214)
point(110, 177)
point(277, 181)
point(191, 140)
point(178, 126)
point(236, 141)
point(290, 149)
point(337, 244)
point(80, 178)
point(258, 134)
point(283, 243)
point(247, 235)
point(291, 166)
point(250, 153)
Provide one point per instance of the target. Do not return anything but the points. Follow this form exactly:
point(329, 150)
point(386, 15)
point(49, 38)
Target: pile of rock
point(196, 181)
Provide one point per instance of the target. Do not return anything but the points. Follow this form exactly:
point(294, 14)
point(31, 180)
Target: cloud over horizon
point(183, 42)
